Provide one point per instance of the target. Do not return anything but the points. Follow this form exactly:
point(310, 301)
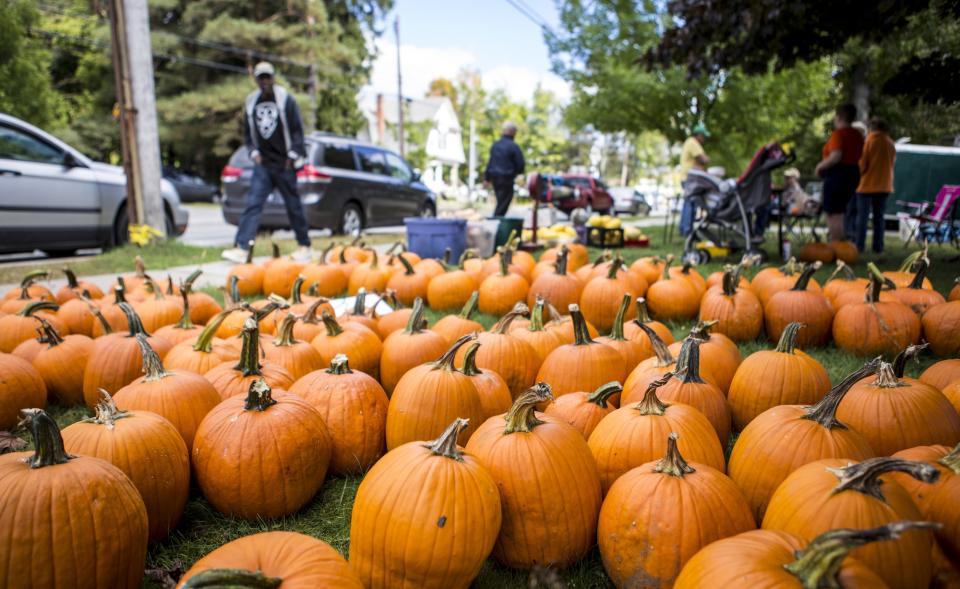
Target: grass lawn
point(328, 516)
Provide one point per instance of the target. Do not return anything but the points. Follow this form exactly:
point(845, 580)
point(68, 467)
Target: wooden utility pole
point(400, 136)
point(133, 76)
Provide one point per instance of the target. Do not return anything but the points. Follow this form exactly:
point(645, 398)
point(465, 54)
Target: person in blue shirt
point(505, 164)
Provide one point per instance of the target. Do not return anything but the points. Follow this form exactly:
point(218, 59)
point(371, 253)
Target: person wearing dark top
point(273, 135)
point(505, 164)
point(840, 169)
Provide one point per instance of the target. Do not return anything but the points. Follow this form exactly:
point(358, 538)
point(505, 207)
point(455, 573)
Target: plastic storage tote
point(429, 238)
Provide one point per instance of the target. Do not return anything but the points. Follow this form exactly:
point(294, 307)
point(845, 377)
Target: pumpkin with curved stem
point(602, 296)
point(358, 313)
point(428, 396)
point(649, 370)
point(636, 434)
point(111, 311)
point(116, 359)
point(690, 388)
point(630, 350)
point(79, 314)
point(941, 328)
point(549, 487)
point(354, 409)
point(369, 275)
point(183, 329)
point(783, 438)
point(493, 265)
point(309, 324)
point(843, 280)
point(270, 559)
point(914, 295)
point(61, 361)
point(453, 327)
point(895, 412)
point(330, 279)
point(563, 325)
point(298, 357)
point(203, 307)
point(875, 326)
point(639, 532)
point(500, 291)
point(183, 398)
point(559, 288)
point(406, 349)
point(937, 501)
point(904, 275)
point(800, 305)
point(276, 437)
point(393, 321)
point(407, 283)
point(21, 326)
point(279, 274)
point(21, 387)
point(540, 338)
point(585, 410)
point(512, 358)
point(673, 298)
point(452, 289)
point(836, 493)
point(205, 352)
point(157, 310)
point(773, 558)
point(353, 339)
point(736, 310)
point(232, 380)
point(74, 287)
point(782, 376)
point(942, 373)
point(458, 519)
point(249, 275)
point(719, 355)
point(690, 274)
point(784, 278)
point(431, 267)
point(147, 448)
point(493, 391)
point(633, 331)
point(28, 292)
point(650, 267)
point(48, 501)
point(583, 365)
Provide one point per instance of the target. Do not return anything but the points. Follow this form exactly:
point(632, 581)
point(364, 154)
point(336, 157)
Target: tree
point(444, 87)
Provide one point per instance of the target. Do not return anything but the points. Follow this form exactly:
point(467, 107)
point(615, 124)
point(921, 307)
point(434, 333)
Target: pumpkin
point(672, 297)
point(231, 380)
point(296, 561)
point(688, 272)
point(354, 409)
point(895, 412)
point(204, 352)
point(79, 314)
point(493, 391)
point(453, 327)
point(542, 339)
point(817, 251)
point(432, 267)
point(22, 326)
point(28, 292)
point(558, 287)
point(583, 365)
point(148, 449)
point(74, 287)
point(279, 274)
point(649, 370)
point(658, 515)
point(785, 437)
point(157, 310)
point(952, 393)
point(941, 328)
point(369, 275)
point(183, 398)
point(61, 361)
point(601, 297)
point(330, 280)
point(409, 348)
point(937, 501)
point(408, 284)
point(500, 291)
point(782, 376)
point(134, 283)
point(719, 356)
point(903, 276)
point(393, 321)
point(183, 329)
point(452, 289)
point(843, 280)
point(916, 297)
point(800, 305)
point(358, 314)
point(352, 339)
point(845, 251)
point(246, 444)
point(563, 325)
point(836, 493)
point(630, 351)
point(298, 357)
point(493, 265)
point(584, 410)
point(21, 387)
point(779, 280)
point(512, 358)
point(633, 331)
point(942, 373)
point(736, 310)
point(113, 316)
point(548, 482)
point(650, 267)
point(773, 558)
point(309, 324)
point(431, 395)
point(458, 516)
point(716, 279)
point(955, 291)
point(690, 388)
point(874, 326)
point(249, 276)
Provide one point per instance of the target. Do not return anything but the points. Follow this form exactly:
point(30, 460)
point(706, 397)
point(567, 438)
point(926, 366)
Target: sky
point(440, 37)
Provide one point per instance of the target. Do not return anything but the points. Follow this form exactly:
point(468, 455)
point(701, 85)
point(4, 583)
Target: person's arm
point(248, 141)
point(832, 159)
point(865, 158)
point(703, 159)
point(297, 148)
point(519, 164)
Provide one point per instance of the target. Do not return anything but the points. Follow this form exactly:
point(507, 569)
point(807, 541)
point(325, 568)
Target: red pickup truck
point(572, 191)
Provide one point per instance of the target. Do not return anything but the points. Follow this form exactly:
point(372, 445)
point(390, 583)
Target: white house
point(444, 146)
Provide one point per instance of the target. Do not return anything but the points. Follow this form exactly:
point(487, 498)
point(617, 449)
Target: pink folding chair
point(937, 213)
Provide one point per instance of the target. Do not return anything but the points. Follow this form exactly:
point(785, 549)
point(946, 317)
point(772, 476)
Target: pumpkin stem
point(806, 275)
point(360, 302)
point(445, 361)
point(29, 279)
point(33, 306)
point(342, 255)
point(788, 338)
point(887, 378)
point(95, 310)
point(415, 322)
point(536, 315)
point(701, 330)
point(139, 268)
point(673, 463)
point(446, 444)
point(471, 305)
point(651, 403)
point(819, 563)
point(311, 315)
point(922, 265)
point(877, 281)
point(643, 315)
point(154, 288)
point(374, 259)
point(791, 267)
point(688, 363)
point(581, 335)
point(731, 276)
point(503, 326)
point(71, 277)
point(470, 360)
point(339, 365)
point(952, 460)
point(185, 322)
point(615, 265)
point(249, 364)
point(235, 578)
point(560, 265)
point(842, 272)
point(48, 333)
point(660, 349)
point(250, 252)
point(285, 331)
point(234, 291)
point(330, 322)
point(274, 250)
point(909, 261)
point(616, 332)
point(825, 411)
point(47, 441)
point(600, 396)
point(407, 267)
point(666, 267)
point(506, 258)
point(295, 294)
point(324, 253)
point(911, 352)
point(864, 477)
point(133, 321)
point(152, 365)
point(522, 414)
point(204, 341)
point(259, 396)
point(120, 292)
point(466, 255)
point(106, 411)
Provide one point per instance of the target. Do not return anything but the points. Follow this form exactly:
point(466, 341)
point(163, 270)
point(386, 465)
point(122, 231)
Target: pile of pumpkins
point(531, 442)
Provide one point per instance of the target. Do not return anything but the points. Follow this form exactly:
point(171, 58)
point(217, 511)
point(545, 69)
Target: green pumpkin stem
point(71, 277)
point(295, 294)
point(909, 261)
point(731, 280)
point(672, 463)
point(185, 322)
point(522, 414)
point(331, 324)
point(284, 336)
point(259, 396)
point(788, 338)
point(48, 334)
point(911, 352)
point(581, 335)
point(877, 281)
point(311, 315)
point(106, 412)
point(47, 441)
point(446, 444)
point(204, 341)
point(615, 266)
point(234, 291)
point(324, 253)
point(560, 265)
point(33, 306)
point(339, 365)
point(864, 477)
point(471, 305)
point(152, 365)
point(445, 260)
point(952, 460)
point(922, 265)
point(651, 403)
point(29, 279)
point(445, 361)
point(133, 321)
point(842, 272)
point(616, 332)
point(407, 266)
point(536, 315)
point(415, 321)
point(818, 565)
point(666, 267)
point(643, 315)
point(503, 325)
point(249, 364)
point(470, 360)
point(600, 396)
point(791, 267)
point(466, 255)
point(120, 292)
point(274, 250)
point(506, 258)
point(804, 280)
point(360, 303)
point(139, 267)
point(825, 411)
point(688, 362)
point(660, 349)
point(96, 312)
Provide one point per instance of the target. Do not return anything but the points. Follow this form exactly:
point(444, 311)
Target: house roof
point(417, 110)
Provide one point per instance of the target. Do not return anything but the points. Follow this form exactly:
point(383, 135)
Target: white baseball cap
point(264, 68)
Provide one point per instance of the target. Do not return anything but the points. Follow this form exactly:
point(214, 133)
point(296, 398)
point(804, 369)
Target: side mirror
point(70, 161)
point(416, 175)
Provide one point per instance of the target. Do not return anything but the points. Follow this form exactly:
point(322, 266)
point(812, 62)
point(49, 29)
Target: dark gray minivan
point(345, 185)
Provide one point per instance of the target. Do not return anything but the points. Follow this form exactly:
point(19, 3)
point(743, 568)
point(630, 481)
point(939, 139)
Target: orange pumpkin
point(633, 331)
point(452, 289)
point(371, 276)
point(690, 388)
point(817, 251)
point(800, 305)
point(80, 313)
point(157, 310)
point(453, 327)
point(407, 283)
point(649, 370)
point(74, 287)
point(500, 291)
point(204, 352)
point(493, 391)
point(584, 410)
point(673, 297)
point(602, 295)
point(512, 358)
point(770, 281)
point(941, 328)
point(845, 251)
point(630, 350)
point(330, 279)
point(21, 387)
point(542, 339)
point(843, 280)
point(955, 291)
point(719, 356)
point(650, 267)
point(737, 311)
point(937, 501)
point(352, 339)
point(558, 287)
point(279, 274)
point(60, 361)
point(406, 349)
point(298, 357)
point(248, 276)
point(183, 329)
point(231, 380)
point(874, 326)
point(914, 295)
point(583, 365)
point(22, 326)
point(903, 276)
point(942, 373)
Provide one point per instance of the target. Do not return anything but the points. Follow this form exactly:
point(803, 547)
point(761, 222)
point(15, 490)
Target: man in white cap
point(273, 135)
point(504, 165)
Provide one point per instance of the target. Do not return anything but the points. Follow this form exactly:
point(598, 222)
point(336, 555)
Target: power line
point(531, 15)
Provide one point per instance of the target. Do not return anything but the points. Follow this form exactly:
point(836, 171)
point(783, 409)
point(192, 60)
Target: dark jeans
point(503, 189)
point(877, 203)
point(264, 180)
point(850, 220)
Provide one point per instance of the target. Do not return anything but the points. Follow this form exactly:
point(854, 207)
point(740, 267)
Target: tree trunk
point(861, 90)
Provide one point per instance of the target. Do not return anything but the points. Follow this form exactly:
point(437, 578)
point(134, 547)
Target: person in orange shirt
point(876, 182)
point(840, 169)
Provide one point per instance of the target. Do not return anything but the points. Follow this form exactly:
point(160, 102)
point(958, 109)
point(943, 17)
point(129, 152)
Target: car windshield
point(582, 182)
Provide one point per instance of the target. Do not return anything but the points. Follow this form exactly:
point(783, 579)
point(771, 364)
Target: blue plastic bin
point(429, 238)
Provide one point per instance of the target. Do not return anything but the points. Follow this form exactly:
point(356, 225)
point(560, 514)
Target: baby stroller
point(728, 207)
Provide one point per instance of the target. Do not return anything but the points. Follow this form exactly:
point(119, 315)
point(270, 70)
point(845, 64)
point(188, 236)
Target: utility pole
point(400, 136)
point(312, 84)
point(472, 160)
point(133, 76)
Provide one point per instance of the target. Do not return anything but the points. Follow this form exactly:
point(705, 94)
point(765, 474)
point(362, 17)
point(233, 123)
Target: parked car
point(190, 187)
point(629, 201)
point(54, 198)
point(345, 186)
point(588, 193)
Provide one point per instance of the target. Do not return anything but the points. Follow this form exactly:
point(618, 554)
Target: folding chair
point(934, 216)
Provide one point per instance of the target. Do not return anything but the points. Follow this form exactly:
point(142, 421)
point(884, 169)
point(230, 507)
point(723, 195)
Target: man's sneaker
point(237, 255)
point(302, 254)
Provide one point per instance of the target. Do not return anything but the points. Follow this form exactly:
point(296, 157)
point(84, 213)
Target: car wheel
point(121, 234)
point(427, 210)
point(351, 220)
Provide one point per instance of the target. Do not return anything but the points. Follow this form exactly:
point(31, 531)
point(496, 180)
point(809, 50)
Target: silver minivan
point(54, 198)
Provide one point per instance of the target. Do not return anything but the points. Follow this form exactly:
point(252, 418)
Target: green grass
point(328, 516)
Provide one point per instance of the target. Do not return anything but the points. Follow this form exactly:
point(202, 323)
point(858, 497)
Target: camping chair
point(932, 218)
